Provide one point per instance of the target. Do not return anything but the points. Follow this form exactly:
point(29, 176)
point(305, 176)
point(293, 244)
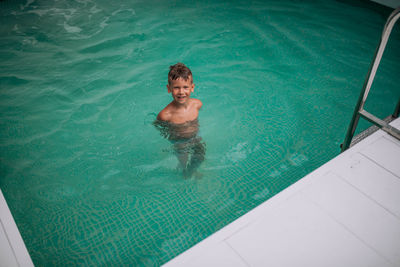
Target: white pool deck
point(345, 213)
point(12, 248)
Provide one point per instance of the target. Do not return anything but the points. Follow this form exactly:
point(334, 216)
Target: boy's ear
point(169, 91)
point(192, 87)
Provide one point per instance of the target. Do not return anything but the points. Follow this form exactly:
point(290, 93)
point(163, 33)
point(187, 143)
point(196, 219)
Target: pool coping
point(13, 251)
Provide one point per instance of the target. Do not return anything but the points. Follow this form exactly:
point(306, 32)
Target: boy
point(183, 108)
point(178, 120)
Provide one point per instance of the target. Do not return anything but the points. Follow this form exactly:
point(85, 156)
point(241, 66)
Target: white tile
point(396, 123)
point(13, 236)
point(386, 153)
point(379, 184)
point(220, 255)
point(300, 234)
point(365, 218)
point(6, 253)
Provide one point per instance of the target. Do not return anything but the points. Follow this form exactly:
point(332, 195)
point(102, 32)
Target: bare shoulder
point(165, 114)
point(197, 103)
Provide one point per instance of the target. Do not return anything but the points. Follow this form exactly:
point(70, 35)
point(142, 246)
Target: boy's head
point(180, 83)
point(179, 70)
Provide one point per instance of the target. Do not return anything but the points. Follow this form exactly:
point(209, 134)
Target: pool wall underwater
point(87, 177)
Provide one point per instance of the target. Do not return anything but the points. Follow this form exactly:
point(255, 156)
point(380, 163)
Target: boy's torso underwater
point(178, 132)
point(188, 146)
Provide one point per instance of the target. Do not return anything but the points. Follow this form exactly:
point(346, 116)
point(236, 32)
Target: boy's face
point(181, 90)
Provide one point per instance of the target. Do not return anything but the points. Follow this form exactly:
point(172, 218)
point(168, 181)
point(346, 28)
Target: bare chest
point(184, 116)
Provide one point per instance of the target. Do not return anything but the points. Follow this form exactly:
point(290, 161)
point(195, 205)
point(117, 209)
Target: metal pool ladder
point(359, 110)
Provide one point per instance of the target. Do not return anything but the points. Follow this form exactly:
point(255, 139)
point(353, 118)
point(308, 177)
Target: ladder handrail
point(358, 111)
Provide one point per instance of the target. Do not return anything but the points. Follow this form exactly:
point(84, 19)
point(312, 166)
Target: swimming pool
point(88, 178)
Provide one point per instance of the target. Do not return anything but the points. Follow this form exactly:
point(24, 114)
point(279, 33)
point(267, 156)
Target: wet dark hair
point(179, 70)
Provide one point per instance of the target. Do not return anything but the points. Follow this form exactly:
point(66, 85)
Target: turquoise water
point(88, 178)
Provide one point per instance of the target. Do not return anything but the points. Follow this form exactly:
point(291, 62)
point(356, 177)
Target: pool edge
point(13, 251)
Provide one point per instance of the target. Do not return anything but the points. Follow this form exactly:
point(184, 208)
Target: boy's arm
point(199, 104)
point(164, 115)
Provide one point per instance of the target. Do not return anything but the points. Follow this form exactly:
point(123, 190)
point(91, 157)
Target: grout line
point(377, 163)
point(323, 210)
point(237, 253)
point(366, 195)
point(392, 139)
